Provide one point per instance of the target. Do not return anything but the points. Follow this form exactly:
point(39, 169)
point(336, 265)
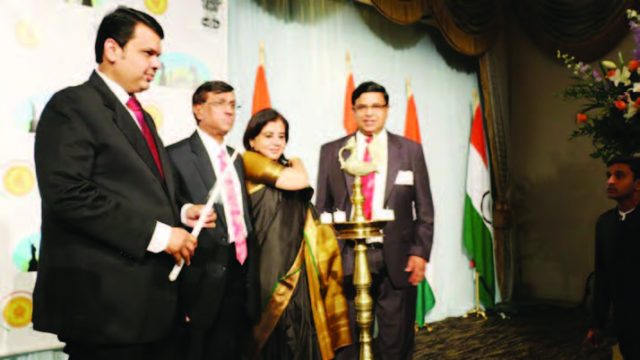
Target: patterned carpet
point(532, 331)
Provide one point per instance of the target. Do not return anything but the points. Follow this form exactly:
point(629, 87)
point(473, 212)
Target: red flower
point(633, 65)
point(620, 105)
point(581, 118)
point(472, 264)
point(611, 73)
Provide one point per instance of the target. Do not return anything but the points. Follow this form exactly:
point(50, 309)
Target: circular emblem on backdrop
point(26, 34)
point(157, 7)
point(17, 309)
point(18, 179)
point(156, 114)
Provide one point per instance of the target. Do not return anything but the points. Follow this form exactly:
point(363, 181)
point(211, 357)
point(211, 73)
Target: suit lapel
point(125, 123)
point(202, 163)
point(393, 164)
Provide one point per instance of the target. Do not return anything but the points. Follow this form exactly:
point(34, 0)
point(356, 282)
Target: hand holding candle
point(208, 207)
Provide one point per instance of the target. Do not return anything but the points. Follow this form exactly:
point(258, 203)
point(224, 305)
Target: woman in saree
point(304, 311)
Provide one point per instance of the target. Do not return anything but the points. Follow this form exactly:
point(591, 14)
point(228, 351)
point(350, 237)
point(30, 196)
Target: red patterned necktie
point(234, 214)
point(134, 106)
point(368, 183)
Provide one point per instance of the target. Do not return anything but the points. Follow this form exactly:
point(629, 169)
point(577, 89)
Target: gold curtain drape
point(469, 26)
point(586, 29)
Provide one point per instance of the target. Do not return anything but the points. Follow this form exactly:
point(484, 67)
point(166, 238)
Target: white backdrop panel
point(48, 45)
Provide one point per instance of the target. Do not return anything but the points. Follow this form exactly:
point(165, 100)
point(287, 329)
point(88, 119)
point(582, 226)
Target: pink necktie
point(134, 106)
point(236, 221)
point(368, 183)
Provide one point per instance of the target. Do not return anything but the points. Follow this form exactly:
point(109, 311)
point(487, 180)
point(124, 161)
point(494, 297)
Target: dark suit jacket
point(616, 280)
point(101, 197)
point(403, 237)
point(202, 283)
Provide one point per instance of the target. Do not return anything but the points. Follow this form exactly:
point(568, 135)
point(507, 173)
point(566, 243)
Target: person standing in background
point(218, 292)
point(616, 265)
point(401, 183)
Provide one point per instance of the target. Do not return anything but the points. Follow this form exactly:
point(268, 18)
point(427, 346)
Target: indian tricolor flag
point(478, 229)
point(349, 121)
point(426, 300)
point(261, 98)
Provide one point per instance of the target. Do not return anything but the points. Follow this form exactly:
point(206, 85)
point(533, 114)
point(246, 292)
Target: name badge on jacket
point(405, 177)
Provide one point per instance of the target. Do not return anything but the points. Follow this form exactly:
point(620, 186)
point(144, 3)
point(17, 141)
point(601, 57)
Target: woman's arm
point(293, 177)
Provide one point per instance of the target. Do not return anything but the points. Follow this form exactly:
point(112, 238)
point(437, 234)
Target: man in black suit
point(218, 290)
point(401, 183)
point(109, 235)
point(616, 265)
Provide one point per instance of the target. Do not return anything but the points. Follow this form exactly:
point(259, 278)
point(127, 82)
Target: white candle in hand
point(214, 193)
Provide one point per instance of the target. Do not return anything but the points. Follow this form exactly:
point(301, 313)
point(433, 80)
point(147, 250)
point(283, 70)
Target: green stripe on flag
point(479, 245)
point(425, 302)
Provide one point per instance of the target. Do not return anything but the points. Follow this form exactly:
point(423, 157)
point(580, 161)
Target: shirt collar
point(210, 143)
point(115, 88)
point(382, 135)
point(623, 214)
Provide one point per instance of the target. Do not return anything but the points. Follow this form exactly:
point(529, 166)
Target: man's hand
point(416, 268)
point(181, 245)
point(193, 213)
point(593, 338)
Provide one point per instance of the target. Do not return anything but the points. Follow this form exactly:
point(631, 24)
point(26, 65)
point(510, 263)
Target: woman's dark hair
point(258, 121)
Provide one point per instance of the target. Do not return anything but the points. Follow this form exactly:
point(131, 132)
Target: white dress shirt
point(213, 150)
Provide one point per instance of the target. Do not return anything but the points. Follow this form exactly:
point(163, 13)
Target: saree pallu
point(305, 314)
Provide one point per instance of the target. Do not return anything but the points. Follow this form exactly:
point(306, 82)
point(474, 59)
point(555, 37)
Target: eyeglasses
point(374, 107)
point(222, 104)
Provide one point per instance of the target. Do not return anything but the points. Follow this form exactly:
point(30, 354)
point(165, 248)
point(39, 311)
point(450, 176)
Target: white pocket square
point(405, 177)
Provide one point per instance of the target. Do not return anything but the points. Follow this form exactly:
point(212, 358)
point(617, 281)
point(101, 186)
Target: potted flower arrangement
point(610, 115)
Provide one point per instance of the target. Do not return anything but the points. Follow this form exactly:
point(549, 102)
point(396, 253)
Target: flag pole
point(476, 100)
point(477, 310)
point(261, 53)
point(408, 87)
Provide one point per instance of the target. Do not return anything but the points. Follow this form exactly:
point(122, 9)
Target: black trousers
point(231, 330)
point(394, 311)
